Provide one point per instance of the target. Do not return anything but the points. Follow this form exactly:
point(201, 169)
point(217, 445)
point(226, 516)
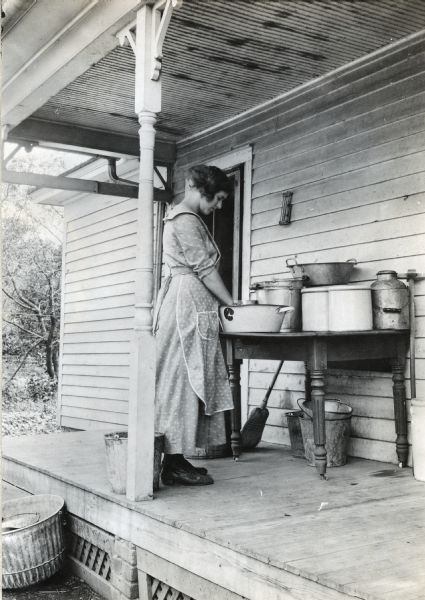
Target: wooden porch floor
point(267, 528)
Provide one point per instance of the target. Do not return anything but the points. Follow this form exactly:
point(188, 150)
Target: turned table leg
point(234, 368)
point(317, 368)
point(307, 382)
point(400, 413)
point(318, 401)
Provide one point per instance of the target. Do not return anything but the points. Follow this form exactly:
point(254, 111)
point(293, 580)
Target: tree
point(31, 278)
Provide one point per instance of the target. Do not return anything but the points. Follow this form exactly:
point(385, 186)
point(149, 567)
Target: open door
point(225, 226)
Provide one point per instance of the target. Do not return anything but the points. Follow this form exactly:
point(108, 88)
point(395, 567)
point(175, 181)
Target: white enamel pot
point(253, 318)
point(282, 292)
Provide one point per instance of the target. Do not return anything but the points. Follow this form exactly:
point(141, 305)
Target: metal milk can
point(390, 302)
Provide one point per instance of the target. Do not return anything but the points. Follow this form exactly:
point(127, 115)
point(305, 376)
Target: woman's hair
point(210, 180)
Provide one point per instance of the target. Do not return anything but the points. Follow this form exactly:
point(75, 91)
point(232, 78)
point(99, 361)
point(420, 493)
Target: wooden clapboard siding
point(101, 416)
point(98, 311)
point(121, 216)
point(383, 250)
point(97, 326)
point(100, 302)
point(116, 290)
point(116, 227)
point(97, 281)
point(96, 274)
point(115, 240)
point(352, 150)
point(121, 347)
point(86, 370)
point(87, 423)
point(95, 381)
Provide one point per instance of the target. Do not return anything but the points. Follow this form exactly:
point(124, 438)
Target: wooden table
point(383, 350)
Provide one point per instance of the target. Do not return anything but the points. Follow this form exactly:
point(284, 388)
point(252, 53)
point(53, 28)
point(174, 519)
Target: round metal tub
point(33, 540)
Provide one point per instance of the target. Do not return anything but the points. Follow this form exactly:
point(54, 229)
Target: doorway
point(225, 226)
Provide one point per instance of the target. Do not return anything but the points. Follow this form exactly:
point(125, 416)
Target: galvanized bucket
point(337, 428)
point(295, 436)
point(116, 444)
point(32, 539)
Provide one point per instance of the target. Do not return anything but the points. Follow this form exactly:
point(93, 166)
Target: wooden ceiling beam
point(82, 139)
point(79, 185)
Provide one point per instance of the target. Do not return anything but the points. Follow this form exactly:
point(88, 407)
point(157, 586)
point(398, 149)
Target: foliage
point(30, 419)
point(31, 278)
point(40, 387)
point(29, 401)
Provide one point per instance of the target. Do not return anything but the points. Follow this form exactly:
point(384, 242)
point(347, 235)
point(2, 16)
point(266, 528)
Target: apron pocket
point(207, 324)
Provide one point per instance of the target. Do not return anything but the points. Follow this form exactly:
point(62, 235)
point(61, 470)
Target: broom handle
point(271, 386)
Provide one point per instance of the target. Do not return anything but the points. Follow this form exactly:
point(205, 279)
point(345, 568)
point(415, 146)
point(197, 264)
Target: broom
point(253, 429)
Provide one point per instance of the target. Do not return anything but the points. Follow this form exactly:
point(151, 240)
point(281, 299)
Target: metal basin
point(33, 540)
point(253, 318)
point(331, 273)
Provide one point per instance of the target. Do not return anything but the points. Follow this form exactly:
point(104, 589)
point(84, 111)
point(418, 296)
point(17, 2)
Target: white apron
point(198, 327)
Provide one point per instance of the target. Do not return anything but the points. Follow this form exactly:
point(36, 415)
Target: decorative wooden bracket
point(126, 34)
point(160, 24)
point(162, 13)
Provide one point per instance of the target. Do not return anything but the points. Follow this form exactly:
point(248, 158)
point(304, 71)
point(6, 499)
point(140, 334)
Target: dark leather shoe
point(179, 475)
point(188, 465)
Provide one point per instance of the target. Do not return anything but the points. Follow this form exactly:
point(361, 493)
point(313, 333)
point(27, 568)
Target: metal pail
point(116, 445)
point(295, 435)
point(337, 427)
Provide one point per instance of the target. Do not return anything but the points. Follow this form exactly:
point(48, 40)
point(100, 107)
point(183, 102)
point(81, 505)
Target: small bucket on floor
point(295, 435)
point(116, 445)
point(337, 427)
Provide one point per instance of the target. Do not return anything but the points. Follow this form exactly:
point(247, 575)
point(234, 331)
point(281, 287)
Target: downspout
point(112, 172)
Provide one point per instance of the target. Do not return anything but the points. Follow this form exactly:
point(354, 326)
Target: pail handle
point(310, 413)
point(303, 408)
point(297, 270)
point(294, 262)
point(284, 309)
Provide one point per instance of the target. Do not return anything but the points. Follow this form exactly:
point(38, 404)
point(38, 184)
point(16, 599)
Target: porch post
point(149, 30)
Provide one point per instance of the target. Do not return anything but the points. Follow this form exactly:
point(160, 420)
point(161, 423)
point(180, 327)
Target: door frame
point(231, 160)
point(226, 161)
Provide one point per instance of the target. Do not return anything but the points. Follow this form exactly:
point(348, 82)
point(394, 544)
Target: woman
point(192, 388)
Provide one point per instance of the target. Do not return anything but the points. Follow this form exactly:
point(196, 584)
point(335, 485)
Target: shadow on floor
point(62, 586)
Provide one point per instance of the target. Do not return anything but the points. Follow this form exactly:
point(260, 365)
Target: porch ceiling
point(222, 58)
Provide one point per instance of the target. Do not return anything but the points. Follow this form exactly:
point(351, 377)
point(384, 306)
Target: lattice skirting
point(160, 579)
point(90, 556)
point(89, 551)
point(162, 591)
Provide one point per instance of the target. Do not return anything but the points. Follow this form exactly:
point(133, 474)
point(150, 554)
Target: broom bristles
point(253, 429)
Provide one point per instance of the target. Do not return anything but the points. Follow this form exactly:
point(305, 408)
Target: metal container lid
point(348, 287)
point(389, 272)
point(278, 282)
point(316, 289)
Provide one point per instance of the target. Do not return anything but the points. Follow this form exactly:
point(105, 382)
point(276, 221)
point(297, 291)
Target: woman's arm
point(214, 283)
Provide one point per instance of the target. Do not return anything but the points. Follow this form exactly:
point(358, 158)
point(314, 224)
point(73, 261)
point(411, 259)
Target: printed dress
point(192, 388)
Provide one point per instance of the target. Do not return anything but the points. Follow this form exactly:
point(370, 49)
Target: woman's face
point(206, 207)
